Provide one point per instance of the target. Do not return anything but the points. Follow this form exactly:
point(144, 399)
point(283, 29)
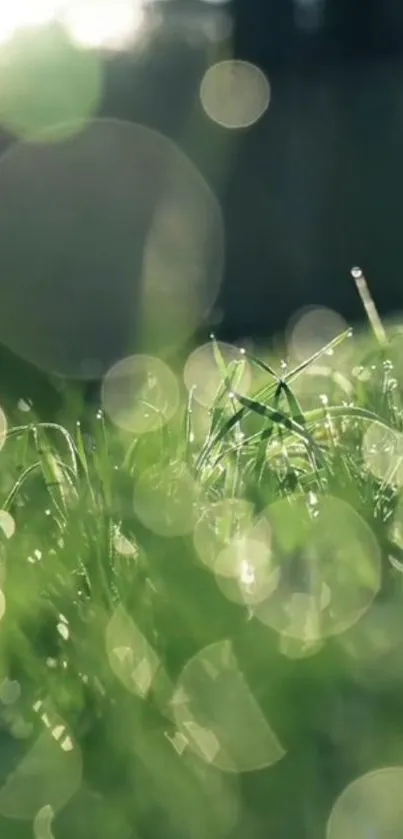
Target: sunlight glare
point(103, 23)
point(25, 13)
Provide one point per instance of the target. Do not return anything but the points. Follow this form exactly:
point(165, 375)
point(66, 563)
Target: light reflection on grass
point(271, 531)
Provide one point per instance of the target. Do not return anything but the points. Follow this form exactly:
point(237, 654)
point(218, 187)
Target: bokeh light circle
point(382, 450)
point(371, 806)
point(3, 428)
point(109, 241)
point(49, 89)
point(245, 573)
point(165, 499)
point(236, 547)
point(7, 524)
point(50, 773)
point(131, 658)
point(322, 384)
point(218, 524)
point(311, 329)
point(204, 378)
point(140, 394)
point(216, 712)
point(395, 528)
point(235, 94)
point(329, 563)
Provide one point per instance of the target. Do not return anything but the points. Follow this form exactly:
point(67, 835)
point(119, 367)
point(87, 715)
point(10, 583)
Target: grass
point(202, 624)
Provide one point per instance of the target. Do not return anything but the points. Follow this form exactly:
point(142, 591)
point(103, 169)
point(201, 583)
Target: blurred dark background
point(323, 169)
point(315, 186)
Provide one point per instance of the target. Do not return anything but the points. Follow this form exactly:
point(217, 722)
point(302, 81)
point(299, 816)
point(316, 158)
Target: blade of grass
point(369, 305)
point(282, 420)
point(34, 467)
point(344, 412)
point(267, 392)
point(294, 405)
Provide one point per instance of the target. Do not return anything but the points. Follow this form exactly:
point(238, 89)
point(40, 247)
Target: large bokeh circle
point(329, 566)
point(371, 806)
point(110, 241)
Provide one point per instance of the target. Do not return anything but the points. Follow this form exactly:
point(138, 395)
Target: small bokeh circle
point(204, 377)
point(235, 94)
point(140, 394)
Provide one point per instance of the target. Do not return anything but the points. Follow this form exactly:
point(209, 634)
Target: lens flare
point(25, 14)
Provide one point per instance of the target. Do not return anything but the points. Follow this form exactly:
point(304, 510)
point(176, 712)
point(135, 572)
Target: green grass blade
point(280, 419)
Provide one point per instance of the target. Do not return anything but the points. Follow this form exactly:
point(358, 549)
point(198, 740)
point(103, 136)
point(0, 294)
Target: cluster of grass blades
point(118, 590)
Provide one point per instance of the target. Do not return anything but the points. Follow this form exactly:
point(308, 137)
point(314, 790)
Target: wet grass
point(90, 559)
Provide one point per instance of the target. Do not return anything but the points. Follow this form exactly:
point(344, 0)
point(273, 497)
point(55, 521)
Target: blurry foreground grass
point(201, 629)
